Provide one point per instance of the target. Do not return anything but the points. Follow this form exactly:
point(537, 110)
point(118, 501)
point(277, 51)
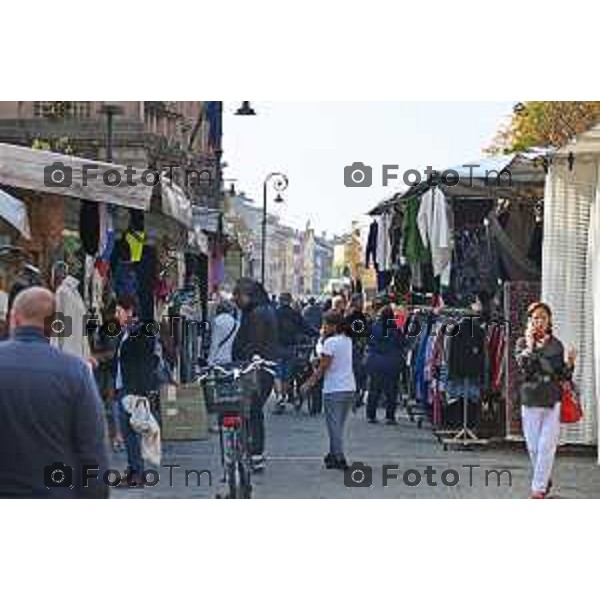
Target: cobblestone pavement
point(296, 444)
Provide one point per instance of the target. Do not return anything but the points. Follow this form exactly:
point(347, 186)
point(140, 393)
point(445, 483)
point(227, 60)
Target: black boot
point(329, 461)
point(340, 463)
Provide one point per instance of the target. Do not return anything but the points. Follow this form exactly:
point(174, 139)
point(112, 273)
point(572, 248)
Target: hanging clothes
point(384, 245)
point(70, 303)
point(89, 226)
point(372, 245)
point(414, 250)
point(136, 240)
point(107, 230)
point(466, 359)
point(434, 221)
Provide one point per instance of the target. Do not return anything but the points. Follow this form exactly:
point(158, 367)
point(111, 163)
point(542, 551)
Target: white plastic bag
point(142, 421)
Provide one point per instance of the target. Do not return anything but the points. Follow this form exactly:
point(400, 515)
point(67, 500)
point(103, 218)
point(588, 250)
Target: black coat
point(139, 362)
point(257, 333)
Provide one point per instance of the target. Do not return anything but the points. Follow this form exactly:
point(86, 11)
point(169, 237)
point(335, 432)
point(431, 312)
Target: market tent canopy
point(29, 169)
point(511, 176)
point(14, 211)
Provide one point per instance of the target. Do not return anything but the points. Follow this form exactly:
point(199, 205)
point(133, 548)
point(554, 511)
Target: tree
point(543, 124)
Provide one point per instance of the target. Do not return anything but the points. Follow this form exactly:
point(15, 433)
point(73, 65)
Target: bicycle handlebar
point(256, 364)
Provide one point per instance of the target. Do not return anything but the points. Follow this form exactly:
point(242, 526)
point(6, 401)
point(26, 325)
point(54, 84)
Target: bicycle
point(229, 394)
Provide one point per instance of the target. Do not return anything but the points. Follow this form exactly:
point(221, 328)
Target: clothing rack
point(418, 410)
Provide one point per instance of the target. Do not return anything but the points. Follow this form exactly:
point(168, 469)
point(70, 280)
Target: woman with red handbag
point(541, 358)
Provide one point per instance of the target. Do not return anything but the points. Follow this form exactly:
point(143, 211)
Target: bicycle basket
point(226, 395)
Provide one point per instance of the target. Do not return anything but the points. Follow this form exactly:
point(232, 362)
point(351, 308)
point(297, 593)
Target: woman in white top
point(223, 331)
point(339, 386)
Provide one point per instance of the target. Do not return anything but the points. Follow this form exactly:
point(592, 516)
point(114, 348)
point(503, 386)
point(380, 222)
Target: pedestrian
point(313, 314)
point(291, 326)
point(338, 304)
point(541, 358)
point(339, 385)
point(383, 362)
point(104, 346)
point(358, 330)
point(52, 420)
point(135, 372)
point(257, 335)
point(223, 330)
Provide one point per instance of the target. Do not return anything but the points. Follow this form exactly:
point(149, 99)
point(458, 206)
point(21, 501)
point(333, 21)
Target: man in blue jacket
point(52, 424)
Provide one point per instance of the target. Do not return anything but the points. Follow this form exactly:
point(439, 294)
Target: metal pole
point(263, 247)
point(109, 136)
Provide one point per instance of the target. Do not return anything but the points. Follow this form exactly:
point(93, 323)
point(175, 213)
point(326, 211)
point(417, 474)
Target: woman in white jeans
point(541, 357)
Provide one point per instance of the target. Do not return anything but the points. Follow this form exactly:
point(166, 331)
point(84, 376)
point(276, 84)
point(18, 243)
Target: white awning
point(74, 176)
point(14, 211)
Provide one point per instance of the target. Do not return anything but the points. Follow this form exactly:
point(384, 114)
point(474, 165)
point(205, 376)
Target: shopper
point(135, 372)
point(541, 358)
point(104, 346)
point(338, 304)
point(50, 411)
point(291, 326)
point(339, 385)
point(313, 314)
point(383, 361)
point(223, 330)
point(257, 335)
point(358, 328)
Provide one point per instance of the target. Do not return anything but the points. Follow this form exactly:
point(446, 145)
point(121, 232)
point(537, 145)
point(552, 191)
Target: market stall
point(571, 267)
point(446, 247)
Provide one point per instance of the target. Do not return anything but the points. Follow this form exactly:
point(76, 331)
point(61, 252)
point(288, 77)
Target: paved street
point(297, 443)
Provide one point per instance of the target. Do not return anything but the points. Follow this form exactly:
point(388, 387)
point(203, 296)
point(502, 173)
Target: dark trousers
point(386, 384)
point(257, 416)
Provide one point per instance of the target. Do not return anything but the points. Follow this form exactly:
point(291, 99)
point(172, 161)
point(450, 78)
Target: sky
point(312, 142)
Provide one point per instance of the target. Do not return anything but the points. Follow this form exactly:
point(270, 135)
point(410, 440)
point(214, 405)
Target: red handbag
point(570, 407)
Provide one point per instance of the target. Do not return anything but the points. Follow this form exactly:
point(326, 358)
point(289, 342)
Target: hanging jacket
point(414, 250)
point(89, 226)
point(467, 350)
point(70, 304)
point(372, 245)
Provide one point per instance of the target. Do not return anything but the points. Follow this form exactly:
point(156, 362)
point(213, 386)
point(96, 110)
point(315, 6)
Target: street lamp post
point(279, 181)
point(110, 110)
